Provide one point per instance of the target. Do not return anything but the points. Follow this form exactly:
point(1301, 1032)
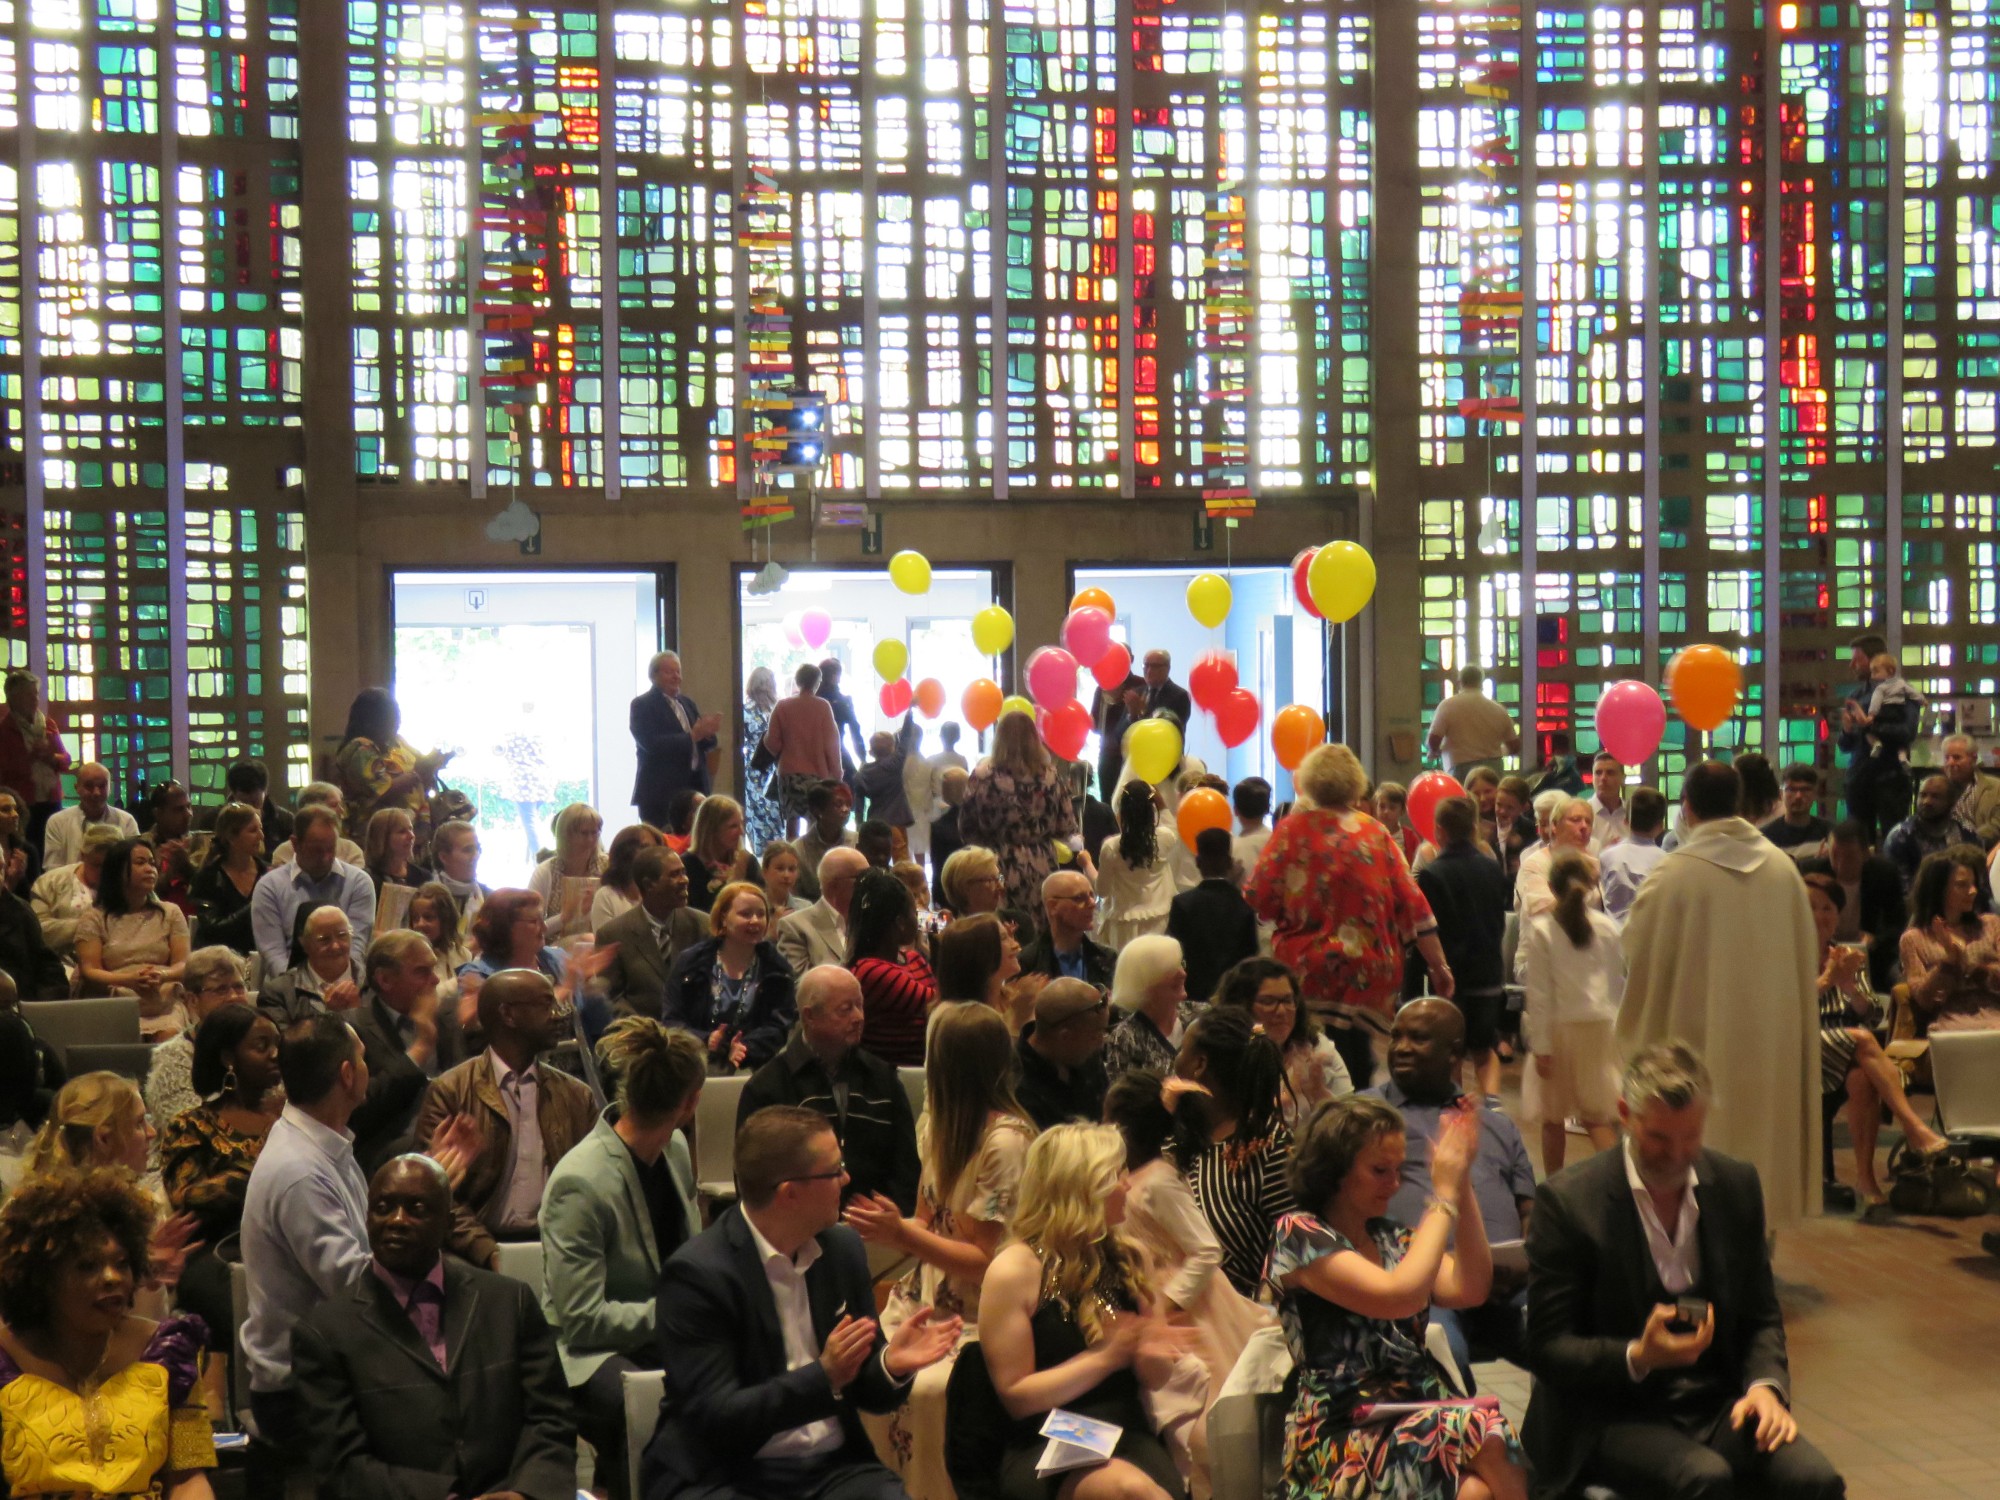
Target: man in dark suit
point(37, 973)
point(649, 936)
point(1163, 692)
point(769, 1339)
point(846, 724)
point(676, 741)
point(1067, 950)
point(1213, 923)
point(825, 1068)
point(430, 1378)
point(1656, 1401)
point(406, 1039)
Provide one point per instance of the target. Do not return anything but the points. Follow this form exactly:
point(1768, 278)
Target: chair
point(644, 1391)
point(63, 1024)
point(1246, 1425)
point(239, 1372)
point(913, 1085)
point(715, 1136)
point(1965, 1070)
point(126, 1059)
point(522, 1261)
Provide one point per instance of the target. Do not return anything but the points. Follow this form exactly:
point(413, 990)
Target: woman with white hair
point(1345, 905)
point(761, 819)
point(1569, 824)
point(1150, 986)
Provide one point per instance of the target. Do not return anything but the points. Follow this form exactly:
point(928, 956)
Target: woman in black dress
point(1075, 1324)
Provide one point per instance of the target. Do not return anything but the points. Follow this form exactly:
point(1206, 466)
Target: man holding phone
point(1654, 1331)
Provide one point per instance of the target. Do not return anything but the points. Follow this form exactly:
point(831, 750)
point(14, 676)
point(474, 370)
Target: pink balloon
point(815, 625)
point(1052, 677)
point(1086, 634)
point(1631, 720)
point(794, 637)
point(1065, 728)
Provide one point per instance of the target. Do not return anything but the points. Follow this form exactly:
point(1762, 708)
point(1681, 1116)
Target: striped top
point(896, 1000)
point(1242, 1189)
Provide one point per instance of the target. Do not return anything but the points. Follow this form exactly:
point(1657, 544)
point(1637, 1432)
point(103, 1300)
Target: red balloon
point(1426, 792)
point(1065, 728)
point(895, 697)
point(1302, 565)
point(1236, 715)
point(1113, 667)
point(1213, 676)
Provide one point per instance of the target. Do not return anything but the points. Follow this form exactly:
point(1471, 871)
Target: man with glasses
point(528, 1115)
point(212, 978)
point(1067, 950)
point(769, 1338)
point(1060, 1055)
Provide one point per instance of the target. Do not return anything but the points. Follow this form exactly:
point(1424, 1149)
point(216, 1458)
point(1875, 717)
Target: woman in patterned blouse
point(1344, 902)
point(206, 1153)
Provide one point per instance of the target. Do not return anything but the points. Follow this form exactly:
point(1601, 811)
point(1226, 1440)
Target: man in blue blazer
point(675, 740)
point(769, 1338)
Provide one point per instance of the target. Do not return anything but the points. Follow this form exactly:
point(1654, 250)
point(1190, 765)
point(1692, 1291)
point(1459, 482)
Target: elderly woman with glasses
point(212, 979)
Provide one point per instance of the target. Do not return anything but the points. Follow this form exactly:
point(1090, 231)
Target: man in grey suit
point(615, 1209)
point(429, 1377)
point(650, 935)
point(818, 935)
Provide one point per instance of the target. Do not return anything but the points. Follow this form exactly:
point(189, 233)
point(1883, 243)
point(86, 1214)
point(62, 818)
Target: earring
point(229, 1079)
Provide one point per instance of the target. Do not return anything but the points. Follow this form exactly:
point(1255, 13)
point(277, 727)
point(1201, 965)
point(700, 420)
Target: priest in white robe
point(1720, 953)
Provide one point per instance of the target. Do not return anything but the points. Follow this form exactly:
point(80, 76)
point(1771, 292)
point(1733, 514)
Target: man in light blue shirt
point(305, 1229)
point(314, 877)
point(1623, 867)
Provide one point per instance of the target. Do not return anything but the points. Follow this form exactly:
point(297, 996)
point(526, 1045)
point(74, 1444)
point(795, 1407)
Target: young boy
point(1392, 801)
point(1623, 867)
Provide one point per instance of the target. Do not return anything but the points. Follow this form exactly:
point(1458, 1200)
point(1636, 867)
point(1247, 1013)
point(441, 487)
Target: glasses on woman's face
point(227, 988)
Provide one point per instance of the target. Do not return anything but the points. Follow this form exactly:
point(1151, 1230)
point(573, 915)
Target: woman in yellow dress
point(94, 1400)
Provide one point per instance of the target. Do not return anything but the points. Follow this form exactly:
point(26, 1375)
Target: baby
point(1893, 707)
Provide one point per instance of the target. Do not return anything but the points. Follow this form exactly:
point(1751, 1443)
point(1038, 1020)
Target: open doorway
point(864, 608)
point(528, 677)
point(1281, 651)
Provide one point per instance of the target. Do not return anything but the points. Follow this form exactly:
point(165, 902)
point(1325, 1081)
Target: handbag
point(449, 805)
point(1938, 1185)
point(761, 759)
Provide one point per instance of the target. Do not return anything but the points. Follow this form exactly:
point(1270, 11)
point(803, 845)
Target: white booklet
point(1076, 1442)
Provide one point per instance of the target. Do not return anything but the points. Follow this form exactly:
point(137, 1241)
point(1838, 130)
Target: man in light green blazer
point(617, 1206)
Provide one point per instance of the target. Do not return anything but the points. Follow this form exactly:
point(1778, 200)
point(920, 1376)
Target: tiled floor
point(1894, 1332)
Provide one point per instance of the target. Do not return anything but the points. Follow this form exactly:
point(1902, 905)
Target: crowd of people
point(1179, 1103)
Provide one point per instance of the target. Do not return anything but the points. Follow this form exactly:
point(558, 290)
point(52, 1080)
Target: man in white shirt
point(769, 1337)
point(1623, 868)
point(62, 843)
point(1607, 802)
point(1654, 1331)
point(1469, 729)
point(316, 877)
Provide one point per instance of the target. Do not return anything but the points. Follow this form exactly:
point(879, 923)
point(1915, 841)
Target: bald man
point(824, 1067)
point(491, 1418)
point(1067, 950)
point(1426, 1061)
point(529, 1116)
point(818, 935)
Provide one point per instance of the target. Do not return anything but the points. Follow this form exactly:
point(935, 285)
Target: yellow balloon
point(910, 572)
point(892, 659)
point(1014, 703)
point(1208, 598)
point(1341, 580)
point(1153, 749)
point(992, 630)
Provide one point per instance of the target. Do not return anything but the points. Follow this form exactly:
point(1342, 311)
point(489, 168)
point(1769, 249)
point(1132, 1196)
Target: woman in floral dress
point(1329, 1264)
point(1018, 804)
point(761, 820)
point(1344, 903)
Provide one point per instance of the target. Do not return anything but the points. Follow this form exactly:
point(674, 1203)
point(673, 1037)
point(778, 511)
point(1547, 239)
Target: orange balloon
point(1093, 599)
point(981, 703)
point(1294, 734)
point(1705, 683)
point(1204, 807)
point(930, 698)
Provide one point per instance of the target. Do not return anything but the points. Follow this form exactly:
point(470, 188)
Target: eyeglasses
point(234, 987)
point(983, 880)
point(1086, 898)
point(839, 1170)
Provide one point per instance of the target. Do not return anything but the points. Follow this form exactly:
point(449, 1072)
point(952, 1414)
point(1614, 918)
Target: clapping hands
point(923, 1340)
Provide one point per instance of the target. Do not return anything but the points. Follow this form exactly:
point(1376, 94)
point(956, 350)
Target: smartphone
point(1689, 1314)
